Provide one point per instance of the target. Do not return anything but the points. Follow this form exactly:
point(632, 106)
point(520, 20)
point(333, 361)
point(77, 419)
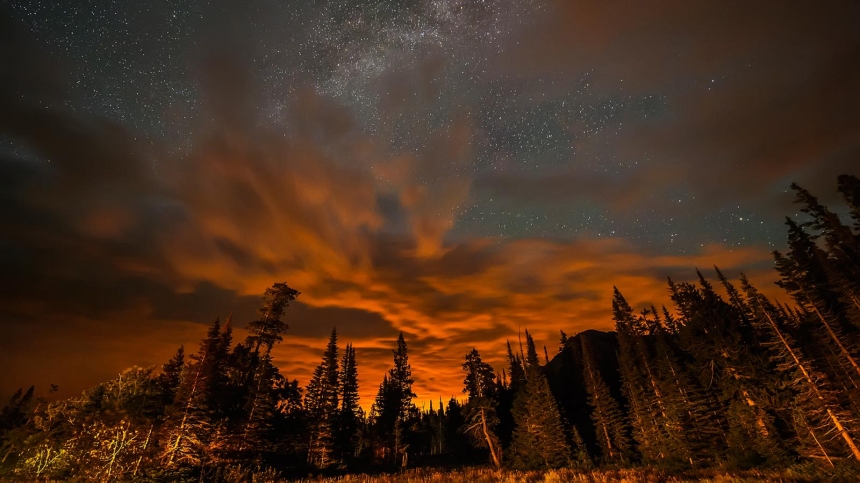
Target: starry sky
point(456, 170)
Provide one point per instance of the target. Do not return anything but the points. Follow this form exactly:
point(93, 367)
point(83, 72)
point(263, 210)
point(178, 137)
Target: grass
point(640, 475)
point(801, 473)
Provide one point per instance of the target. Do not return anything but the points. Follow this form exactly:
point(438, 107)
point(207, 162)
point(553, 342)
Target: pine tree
point(457, 443)
point(350, 411)
point(804, 277)
point(643, 417)
point(260, 405)
point(849, 187)
point(562, 343)
point(687, 402)
point(719, 337)
point(393, 412)
point(321, 404)
point(258, 377)
point(516, 368)
point(581, 458)
point(384, 415)
point(842, 244)
point(171, 375)
point(606, 414)
point(538, 440)
point(531, 352)
point(821, 417)
point(481, 418)
point(267, 330)
point(841, 262)
point(192, 426)
point(656, 419)
point(13, 421)
point(401, 376)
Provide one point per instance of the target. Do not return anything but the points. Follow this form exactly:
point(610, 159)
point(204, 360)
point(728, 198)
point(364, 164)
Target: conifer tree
point(171, 375)
point(539, 439)
point(192, 425)
point(480, 411)
point(719, 337)
point(849, 187)
point(688, 404)
point(13, 420)
point(606, 414)
point(840, 242)
point(400, 376)
point(457, 443)
point(657, 430)
point(642, 416)
point(804, 277)
point(321, 404)
point(532, 360)
point(267, 330)
point(383, 416)
point(393, 412)
point(581, 458)
point(822, 417)
point(260, 405)
point(350, 411)
point(516, 368)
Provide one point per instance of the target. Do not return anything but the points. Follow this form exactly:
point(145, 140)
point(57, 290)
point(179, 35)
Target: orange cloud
point(247, 207)
point(260, 208)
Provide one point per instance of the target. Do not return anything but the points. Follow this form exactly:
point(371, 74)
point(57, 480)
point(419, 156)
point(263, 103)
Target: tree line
point(723, 377)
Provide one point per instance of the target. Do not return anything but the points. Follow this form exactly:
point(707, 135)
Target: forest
point(723, 379)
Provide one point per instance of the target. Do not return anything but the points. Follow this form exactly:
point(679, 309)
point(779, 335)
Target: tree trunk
point(489, 439)
point(832, 416)
point(832, 334)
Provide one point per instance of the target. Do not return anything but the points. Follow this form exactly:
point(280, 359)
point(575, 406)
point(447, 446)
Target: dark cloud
point(351, 324)
point(755, 94)
point(569, 186)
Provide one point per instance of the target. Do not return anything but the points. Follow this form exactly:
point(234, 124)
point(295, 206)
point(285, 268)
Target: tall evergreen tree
point(350, 414)
point(539, 439)
point(804, 276)
point(562, 343)
point(267, 330)
point(321, 404)
point(480, 411)
point(655, 421)
point(532, 360)
point(849, 187)
point(606, 414)
point(516, 368)
point(642, 417)
point(720, 340)
point(191, 426)
point(401, 376)
point(821, 417)
point(171, 375)
point(393, 411)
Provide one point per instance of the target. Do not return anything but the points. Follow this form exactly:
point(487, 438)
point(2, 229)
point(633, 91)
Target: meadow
point(803, 473)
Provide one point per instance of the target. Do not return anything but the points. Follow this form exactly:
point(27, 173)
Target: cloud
point(118, 249)
point(755, 95)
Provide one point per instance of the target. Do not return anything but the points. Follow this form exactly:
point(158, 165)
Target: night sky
point(456, 170)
